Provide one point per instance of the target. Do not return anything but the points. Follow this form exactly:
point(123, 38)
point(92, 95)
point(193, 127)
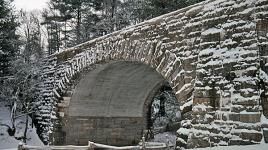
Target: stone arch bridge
point(213, 54)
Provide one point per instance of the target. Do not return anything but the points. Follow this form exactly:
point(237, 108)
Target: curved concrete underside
point(116, 89)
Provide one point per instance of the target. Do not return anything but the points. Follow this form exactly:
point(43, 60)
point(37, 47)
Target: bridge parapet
point(213, 54)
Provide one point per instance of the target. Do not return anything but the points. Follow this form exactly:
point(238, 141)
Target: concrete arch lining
point(115, 89)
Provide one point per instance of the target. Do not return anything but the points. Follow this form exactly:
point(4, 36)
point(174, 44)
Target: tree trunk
point(78, 25)
point(25, 130)
point(65, 33)
point(58, 36)
point(113, 18)
point(32, 120)
point(113, 7)
point(12, 130)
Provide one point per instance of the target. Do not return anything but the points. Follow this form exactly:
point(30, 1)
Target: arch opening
point(163, 116)
point(111, 104)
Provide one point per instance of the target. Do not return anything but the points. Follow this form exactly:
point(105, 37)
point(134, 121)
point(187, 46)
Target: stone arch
point(112, 103)
point(192, 48)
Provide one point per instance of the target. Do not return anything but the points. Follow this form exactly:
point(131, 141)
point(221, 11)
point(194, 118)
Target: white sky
point(30, 4)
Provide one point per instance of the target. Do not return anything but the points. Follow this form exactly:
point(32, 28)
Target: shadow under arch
point(111, 104)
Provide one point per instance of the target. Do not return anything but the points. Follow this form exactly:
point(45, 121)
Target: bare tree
point(31, 35)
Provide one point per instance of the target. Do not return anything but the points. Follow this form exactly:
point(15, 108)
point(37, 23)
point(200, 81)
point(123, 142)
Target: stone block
point(181, 143)
point(264, 51)
point(61, 114)
point(240, 142)
point(69, 93)
point(256, 136)
point(200, 100)
point(265, 134)
point(264, 125)
point(246, 103)
point(215, 139)
point(265, 106)
point(200, 93)
point(262, 25)
point(238, 108)
point(60, 108)
point(250, 117)
point(216, 37)
point(183, 136)
point(255, 126)
point(67, 100)
point(200, 142)
point(234, 117)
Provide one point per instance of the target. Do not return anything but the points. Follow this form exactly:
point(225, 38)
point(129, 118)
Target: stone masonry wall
point(103, 130)
point(213, 54)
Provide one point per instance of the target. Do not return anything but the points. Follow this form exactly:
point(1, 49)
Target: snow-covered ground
point(6, 141)
point(165, 137)
point(247, 147)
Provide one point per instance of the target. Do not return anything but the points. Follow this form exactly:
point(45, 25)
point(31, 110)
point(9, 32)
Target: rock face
point(214, 56)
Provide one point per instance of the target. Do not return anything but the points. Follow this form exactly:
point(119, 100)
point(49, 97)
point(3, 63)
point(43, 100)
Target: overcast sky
point(30, 4)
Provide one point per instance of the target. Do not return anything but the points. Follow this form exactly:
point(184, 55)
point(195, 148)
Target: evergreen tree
point(53, 28)
point(9, 42)
point(71, 22)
